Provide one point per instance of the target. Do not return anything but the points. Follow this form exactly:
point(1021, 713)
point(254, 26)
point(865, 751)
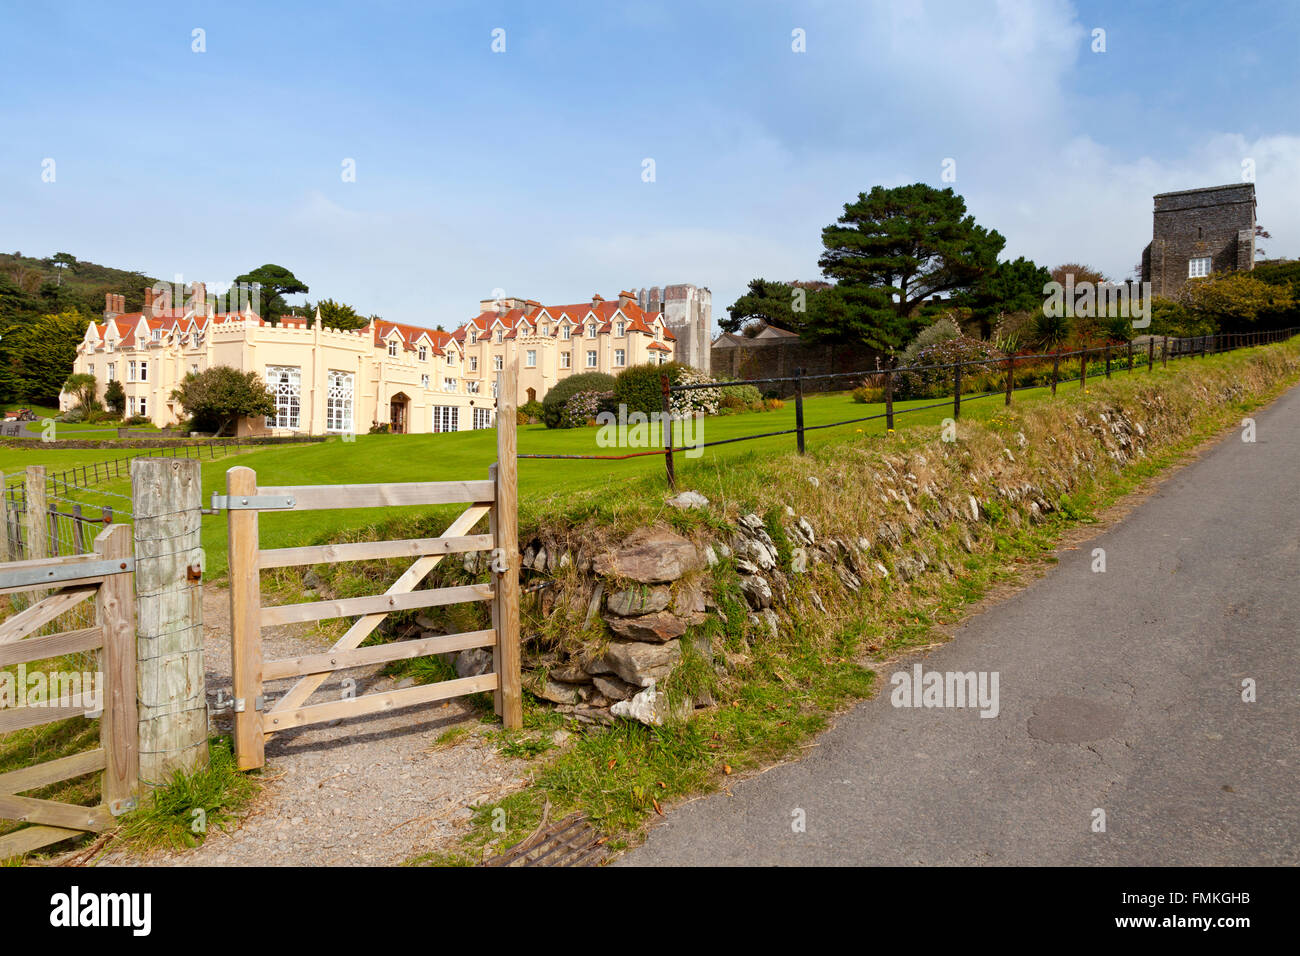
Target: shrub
point(137, 420)
point(74, 415)
point(533, 410)
point(380, 428)
point(943, 330)
point(115, 397)
point(869, 394)
point(582, 408)
point(938, 382)
point(521, 417)
point(695, 402)
point(773, 404)
point(554, 402)
point(746, 395)
point(640, 388)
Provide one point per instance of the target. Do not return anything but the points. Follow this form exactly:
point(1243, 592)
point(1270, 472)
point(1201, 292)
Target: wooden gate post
point(506, 528)
point(889, 396)
point(245, 621)
point(4, 521)
point(37, 541)
point(1011, 377)
point(115, 614)
point(173, 722)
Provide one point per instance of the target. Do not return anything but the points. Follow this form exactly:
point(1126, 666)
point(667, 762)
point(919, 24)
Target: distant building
point(688, 312)
point(331, 381)
point(1198, 232)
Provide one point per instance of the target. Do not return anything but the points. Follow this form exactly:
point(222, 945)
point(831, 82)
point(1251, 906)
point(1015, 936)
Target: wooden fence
point(494, 498)
point(106, 576)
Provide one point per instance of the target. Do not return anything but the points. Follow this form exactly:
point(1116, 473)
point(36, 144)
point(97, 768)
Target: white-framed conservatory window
point(482, 418)
point(338, 402)
point(1198, 268)
point(285, 383)
point(446, 418)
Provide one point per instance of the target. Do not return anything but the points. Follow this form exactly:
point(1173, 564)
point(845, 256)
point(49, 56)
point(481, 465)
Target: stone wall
point(777, 358)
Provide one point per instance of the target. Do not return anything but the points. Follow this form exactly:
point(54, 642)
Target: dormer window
point(473, 337)
point(157, 335)
point(501, 335)
point(591, 331)
point(546, 330)
point(424, 353)
point(451, 358)
point(619, 329)
point(565, 332)
point(392, 349)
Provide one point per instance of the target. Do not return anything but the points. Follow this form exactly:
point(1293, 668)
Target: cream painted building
point(328, 381)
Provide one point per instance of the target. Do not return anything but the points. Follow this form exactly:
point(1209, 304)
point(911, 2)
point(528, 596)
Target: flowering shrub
point(698, 401)
point(581, 408)
point(938, 382)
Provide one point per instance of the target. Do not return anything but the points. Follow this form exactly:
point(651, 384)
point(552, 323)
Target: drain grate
point(568, 842)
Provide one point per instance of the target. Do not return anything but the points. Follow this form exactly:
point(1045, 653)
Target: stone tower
point(1199, 231)
point(688, 313)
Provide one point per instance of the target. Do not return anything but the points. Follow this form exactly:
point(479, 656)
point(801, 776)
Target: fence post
point(1151, 352)
point(506, 584)
point(4, 521)
point(1056, 369)
point(1011, 377)
point(245, 622)
point(889, 396)
point(37, 541)
point(78, 532)
point(1164, 354)
point(1108, 361)
point(666, 427)
point(53, 537)
point(798, 408)
point(1083, 368)
point(173, 718)
point(115, 615)
point(956, 390)
point(1130, 355)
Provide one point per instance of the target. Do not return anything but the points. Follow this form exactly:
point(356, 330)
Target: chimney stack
point(148, 302)
point(199, 300)
point(596, 300)
point(625, 299)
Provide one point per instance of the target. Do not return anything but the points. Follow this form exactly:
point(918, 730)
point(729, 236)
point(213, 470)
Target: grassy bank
point(774, 692)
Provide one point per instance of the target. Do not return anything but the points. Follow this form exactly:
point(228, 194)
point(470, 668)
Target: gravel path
point(371, 790)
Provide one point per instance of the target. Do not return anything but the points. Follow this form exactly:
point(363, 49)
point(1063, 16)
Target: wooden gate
point(494, 498)
point(106, 575)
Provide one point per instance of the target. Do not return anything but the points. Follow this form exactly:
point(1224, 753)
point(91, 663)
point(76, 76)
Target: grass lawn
point(467, 455)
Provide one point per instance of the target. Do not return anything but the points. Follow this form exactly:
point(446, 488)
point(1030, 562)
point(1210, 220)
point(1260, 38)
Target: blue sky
point(522, 170)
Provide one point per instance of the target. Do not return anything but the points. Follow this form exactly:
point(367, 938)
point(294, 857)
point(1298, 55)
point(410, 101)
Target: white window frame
point(141, 406)
point(285, 383)
point(591, 358)
point(497, 363)
point(530, 358)
point(424, 353)
point(501, 336)
point(621, 329)
point(482, 418)
point(449, 385)
point(392, 348)
point(424, 381)
point(446, 418)
point(620, 357)
point(566, 360)
point(591, 330)
point(566, 332)
point(340, 395)
point(471, 387)
point(112, 372)
point(1198, 267)
point(473, 363)
point(144, 371)
point(132, 368)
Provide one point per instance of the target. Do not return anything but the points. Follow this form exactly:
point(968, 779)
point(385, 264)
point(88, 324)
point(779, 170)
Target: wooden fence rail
point(255, 719)
point(106, 575)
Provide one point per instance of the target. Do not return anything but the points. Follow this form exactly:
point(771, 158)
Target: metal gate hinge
point(252, 502)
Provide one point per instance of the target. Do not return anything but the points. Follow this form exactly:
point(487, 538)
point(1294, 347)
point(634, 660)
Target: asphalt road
point(1119, 691)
